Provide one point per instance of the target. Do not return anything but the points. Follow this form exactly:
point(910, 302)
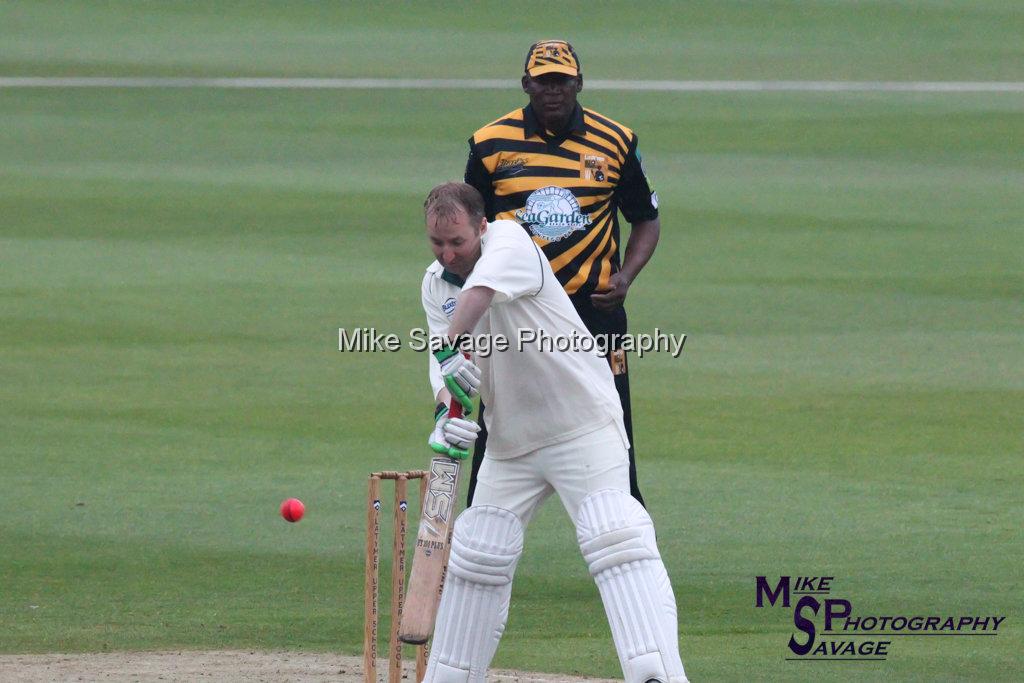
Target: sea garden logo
point(552, 213)
point(829, 630)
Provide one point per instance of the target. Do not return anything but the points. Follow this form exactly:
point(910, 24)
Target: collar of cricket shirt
point(531, 126)
point(449, 276)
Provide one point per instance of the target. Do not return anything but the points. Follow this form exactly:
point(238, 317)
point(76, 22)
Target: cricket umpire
point(564, 173)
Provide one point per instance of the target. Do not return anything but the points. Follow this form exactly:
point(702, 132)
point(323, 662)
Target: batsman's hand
point(461, 376)
point(452, 436)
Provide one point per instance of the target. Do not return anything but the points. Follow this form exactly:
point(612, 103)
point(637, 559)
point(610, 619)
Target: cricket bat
point(433, 543)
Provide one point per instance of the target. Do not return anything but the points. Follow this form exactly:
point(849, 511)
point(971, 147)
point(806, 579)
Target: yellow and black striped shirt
point(565, 190)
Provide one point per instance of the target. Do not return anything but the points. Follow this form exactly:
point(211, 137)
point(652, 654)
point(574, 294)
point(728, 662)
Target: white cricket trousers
point(572, 469)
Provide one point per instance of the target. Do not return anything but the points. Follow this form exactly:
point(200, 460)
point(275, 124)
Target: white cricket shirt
point(533, 397)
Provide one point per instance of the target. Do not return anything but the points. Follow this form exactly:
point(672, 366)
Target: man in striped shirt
point(564, 173)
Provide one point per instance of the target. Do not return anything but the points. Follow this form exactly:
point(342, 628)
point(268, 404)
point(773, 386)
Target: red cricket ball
point(293, 509)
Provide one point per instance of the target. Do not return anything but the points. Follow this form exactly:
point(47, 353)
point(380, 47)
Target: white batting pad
point(486, 545)
point(616, 536)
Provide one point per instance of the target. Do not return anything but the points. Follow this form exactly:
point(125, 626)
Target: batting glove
point(461, 376)
point(452, 436)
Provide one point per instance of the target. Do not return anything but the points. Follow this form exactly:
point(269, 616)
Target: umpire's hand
point(611, 298)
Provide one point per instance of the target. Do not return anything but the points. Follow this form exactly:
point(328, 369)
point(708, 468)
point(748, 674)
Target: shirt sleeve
point(511, 265)
point(633, 194)
point(477, 176)
point(437, 324)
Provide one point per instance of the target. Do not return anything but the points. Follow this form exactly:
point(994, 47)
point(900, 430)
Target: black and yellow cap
point(552, 56)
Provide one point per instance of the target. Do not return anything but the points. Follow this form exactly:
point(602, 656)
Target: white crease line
point(490, 84)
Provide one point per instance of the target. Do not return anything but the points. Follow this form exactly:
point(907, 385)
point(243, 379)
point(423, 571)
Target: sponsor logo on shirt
point(552, 213)
point(448, 308)
point(509, 167)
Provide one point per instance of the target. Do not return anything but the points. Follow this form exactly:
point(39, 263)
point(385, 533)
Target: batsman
point(555, 426)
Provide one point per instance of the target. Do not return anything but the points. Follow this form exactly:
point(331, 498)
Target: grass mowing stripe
point(501, 84)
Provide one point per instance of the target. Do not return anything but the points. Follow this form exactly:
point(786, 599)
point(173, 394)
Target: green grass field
point(175, 265)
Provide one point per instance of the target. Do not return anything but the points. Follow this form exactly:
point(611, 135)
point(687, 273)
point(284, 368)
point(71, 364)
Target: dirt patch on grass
point(217, 666)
